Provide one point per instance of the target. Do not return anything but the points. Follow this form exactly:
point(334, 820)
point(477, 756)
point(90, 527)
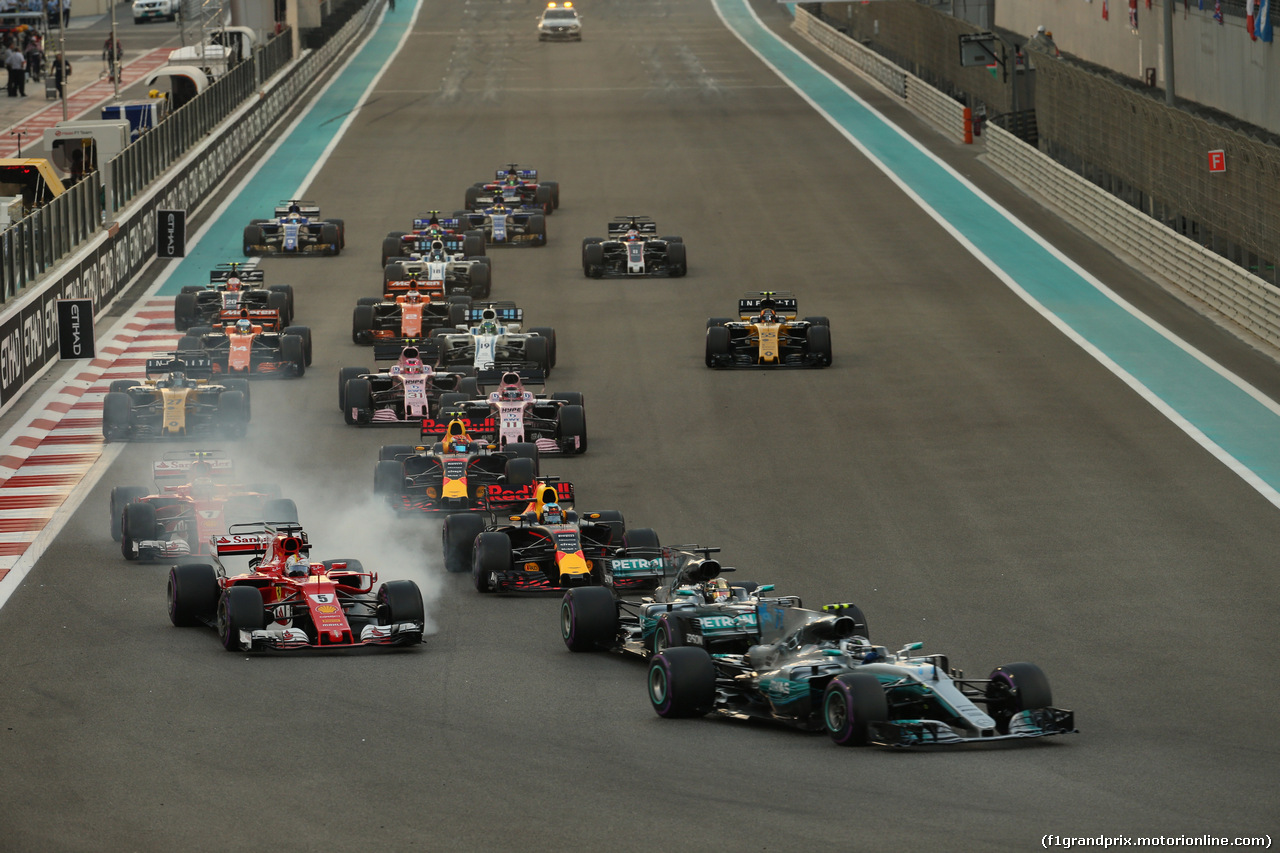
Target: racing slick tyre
point(400, 601)
point(388, 479)
point(233, 414)
point(450, 400)
point(239, 609)
point(571, 429)
point(554, 187)
point(671, 239)
point(369, 300)
point(492, 554)
point(294, 351)
point(542, 199)
point(593, 260)
point(395, 452)
point(200, 331)
point(588, 619)
point(473, 244)
point(330, 236)
point(817, 321)
point(122, 496)
point(138, 523)
point(470, 386)
point(241, 385)
point(612, 519)
point(189, 343)
point(590, 241)
point(682, 683)
point(677, 266)
point(394, 271)
point(287, 290)
point(457, 314)
point(537, 225)
point(342, 232)
point(359, 402)
point(184, 311)
point(1016, 687)
point(390, 250)
point(717, 345)
point(121, 385)
point(459, 536)
point(668, 633)
point(525, 450)
point(538, 350)
point(471, 198)
point(280, 302)
point(480, 286)
point(550, 334)
point(192, 594)
point(362, 324)
point(717, 321)
point(117, 410)
point(818, 339)
point(253, 236)
point(303, 332)
point(280, 511)
point(850, 705)
point(345, 374)
point(521, 472)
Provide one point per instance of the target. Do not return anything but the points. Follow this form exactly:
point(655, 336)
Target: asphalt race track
point(965, 473)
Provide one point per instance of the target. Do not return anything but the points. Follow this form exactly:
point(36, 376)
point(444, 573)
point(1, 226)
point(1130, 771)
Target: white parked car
point(150, 10)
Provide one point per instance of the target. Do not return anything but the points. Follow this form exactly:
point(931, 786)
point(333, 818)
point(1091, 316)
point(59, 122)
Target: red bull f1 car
point(288, 601)
point(768, 334)
point(195, 497)
point(819, 671)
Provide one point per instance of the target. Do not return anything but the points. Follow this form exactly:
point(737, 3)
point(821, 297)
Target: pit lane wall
point(1208, 282)
point(103, 268)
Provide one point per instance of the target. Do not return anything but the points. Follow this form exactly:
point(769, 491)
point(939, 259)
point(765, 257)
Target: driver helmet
point(768, 316)
point(412, 365)
point(716, 591)
point(243, 327)
point(488, 327)
point(437, 250)
point(633, 234)
point(552, 514)
point(294, 566)
point(412, 297)
point(177, 378)
point(293, 208)
point(233, 283)
point(512, 392)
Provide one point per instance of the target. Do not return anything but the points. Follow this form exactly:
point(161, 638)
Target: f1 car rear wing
point(179, 466)
point(252, 539)
point(528, 376)
point(476, 426)
point(392, 352)
point(622, 224)
point(195, 366)
point(522, 174)
point(309, 209)
point(433, 289)
point(782, 301)
point(246, 275)
point(423, 223)
point(502, 312)
point(267, 318)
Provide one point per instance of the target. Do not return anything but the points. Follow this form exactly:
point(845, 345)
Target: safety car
point(232, 289)
point(560, 22)
point(515, 187)
point(768, 334)
point(295, 229)
point(549, 547)
point(195, 496)
point(455, 472)
point(286, 600)
point(556, 423)
point(407, 391)
point(633, 249)
point(245, 348)
point(493, 338)
point(691, 606)
point(819, 671)
point(176, 400)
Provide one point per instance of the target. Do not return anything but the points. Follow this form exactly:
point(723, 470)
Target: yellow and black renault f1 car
point(768, 334)
point(176, 400)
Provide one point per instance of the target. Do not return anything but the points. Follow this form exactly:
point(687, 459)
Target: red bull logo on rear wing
point(432, 428)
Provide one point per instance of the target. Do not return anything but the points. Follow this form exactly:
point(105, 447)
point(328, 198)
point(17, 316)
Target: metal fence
point(40, 240)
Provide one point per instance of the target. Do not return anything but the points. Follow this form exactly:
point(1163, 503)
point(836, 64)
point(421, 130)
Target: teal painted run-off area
point(1227, 415)
point(288, 166)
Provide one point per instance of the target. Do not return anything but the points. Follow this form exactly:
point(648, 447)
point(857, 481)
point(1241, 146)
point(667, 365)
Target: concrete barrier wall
point(946, 112)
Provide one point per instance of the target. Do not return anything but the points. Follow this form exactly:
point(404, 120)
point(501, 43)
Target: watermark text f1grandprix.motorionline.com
point(1107, 841)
